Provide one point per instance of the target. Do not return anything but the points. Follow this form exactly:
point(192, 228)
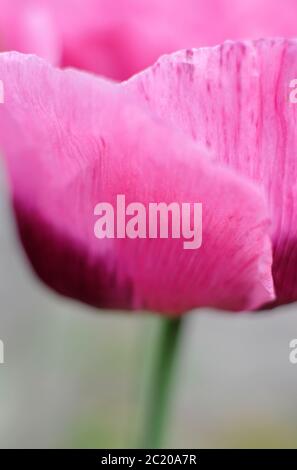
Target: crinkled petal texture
point(118, 38)
point(71, 141)
point(235, 100)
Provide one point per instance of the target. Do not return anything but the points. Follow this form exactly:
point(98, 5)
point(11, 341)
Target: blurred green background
point(74, 377)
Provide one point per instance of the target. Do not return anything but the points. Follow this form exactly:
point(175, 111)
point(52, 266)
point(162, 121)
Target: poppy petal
point(71, 141)
point(235, 100)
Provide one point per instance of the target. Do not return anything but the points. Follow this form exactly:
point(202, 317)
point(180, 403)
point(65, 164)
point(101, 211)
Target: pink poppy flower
point(213, 125)
point(118, 38)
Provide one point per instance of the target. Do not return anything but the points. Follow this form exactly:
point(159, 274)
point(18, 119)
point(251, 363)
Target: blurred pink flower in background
point(28, 26)
point(213, 125)
point(118, 38)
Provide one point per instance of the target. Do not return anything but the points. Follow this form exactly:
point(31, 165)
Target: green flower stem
point(161, 381)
